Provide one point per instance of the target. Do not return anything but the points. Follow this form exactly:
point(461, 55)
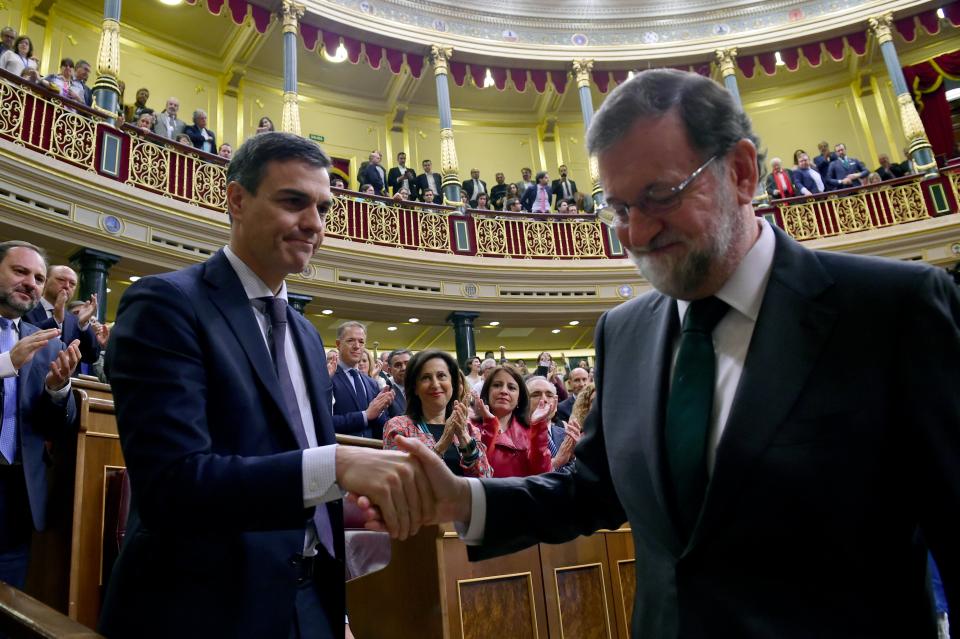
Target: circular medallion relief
point(111, 224)
point(625, 291)
point(651, 37)
point(439, 25)
point(470, 289)
point(579, 39)
point(366, 7)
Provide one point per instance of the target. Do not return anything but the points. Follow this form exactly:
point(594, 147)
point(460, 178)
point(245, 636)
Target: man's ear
point(746, 173)
point(236, 195)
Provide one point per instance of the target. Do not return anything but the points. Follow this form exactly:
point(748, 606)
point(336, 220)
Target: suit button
point(293, 561)
point(314, 486)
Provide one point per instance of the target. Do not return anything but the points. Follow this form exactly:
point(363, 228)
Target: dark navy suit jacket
point(370, 175)
point(214, 462)
point(349, 416)
point(802, 178)
point(89, 346)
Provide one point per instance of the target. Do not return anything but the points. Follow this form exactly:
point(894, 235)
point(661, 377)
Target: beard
point(7, 299)
point(681, 275)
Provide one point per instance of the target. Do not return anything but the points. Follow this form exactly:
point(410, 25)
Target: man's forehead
point(25, 257)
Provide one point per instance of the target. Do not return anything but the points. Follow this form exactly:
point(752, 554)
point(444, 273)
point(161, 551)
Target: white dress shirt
point(319, 462)
point(743, 291)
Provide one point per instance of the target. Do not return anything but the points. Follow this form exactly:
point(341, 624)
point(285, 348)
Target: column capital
point(88, 258)
point(290, 116)
point(292, 12)
point(298, 302)
point(108, 53)
point(726, 60)
point(581, 71)
point(440, 55)
point(880, 25)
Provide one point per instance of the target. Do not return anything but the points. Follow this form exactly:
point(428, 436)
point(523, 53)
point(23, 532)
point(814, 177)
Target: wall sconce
point(259, 103)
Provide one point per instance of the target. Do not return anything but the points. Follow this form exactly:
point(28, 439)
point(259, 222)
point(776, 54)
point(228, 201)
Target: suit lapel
point(228, 295)
point(789, 335)
point(311, 351)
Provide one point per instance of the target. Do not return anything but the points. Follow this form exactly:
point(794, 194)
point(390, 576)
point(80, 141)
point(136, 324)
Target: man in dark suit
point(782, 462)
point(430, 181)
point(807, 177)
point(397, 363)
point(35, 403)
point(222, 402)
point(200, 136)
point(780, 182)
point(536, 198)
point(823, 160)
point(562, 188)
point(359, 404)
point(374, 174)
point(498, 192)
point(51, 312)
point(397, 177)
point(577, 378)
point(845, 171)
point(474, 186)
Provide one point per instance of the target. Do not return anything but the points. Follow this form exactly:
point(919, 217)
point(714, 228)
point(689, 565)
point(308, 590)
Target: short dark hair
point(395, 352)
point(540, 175)
point(523, 399)
point(67, 62)
point(713, 121)
point(414, 366)
point(16, 44)
point(249, 162)
point(11, 244)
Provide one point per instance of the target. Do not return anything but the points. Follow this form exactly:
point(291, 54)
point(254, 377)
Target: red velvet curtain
point(925, 81)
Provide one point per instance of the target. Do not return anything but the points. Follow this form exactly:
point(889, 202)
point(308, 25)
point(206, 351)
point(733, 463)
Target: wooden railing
point(42, 121)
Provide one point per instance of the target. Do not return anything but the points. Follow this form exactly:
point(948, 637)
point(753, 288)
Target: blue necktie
point(276, 311)
point(359, 388)
point(8, 432)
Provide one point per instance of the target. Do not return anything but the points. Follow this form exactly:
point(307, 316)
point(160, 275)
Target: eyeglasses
point(656, 201)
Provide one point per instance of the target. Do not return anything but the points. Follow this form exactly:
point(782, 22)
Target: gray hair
point(398, 351)
point(488, 363)
point(198, 113)
point(775, 161)
point(713, 121)
point(346, 325)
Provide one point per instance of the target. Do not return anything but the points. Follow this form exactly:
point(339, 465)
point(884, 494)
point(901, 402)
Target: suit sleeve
point(929, 351)
point(157, 364)
point(89, 346)
point(558, 506)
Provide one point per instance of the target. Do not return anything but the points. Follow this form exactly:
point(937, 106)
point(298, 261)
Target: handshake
point(400, 491)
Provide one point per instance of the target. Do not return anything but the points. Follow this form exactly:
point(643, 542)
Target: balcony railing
point(39, 120)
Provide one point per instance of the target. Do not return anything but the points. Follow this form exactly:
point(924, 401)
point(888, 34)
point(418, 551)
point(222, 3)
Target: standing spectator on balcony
point(82, 74)
point(374, 174)
point(536, 198)
point(367, 189)
point(201, 137)
point(780, 182)
point(428, 180)
point(906, 167)
point(20, 57)
point(845, 172)
point(796, 159)
point(64, 81)
point(498, 192)
point(806, 177)
point(525, 182)
point(265, 125)
point(399, 175)
point(169, 124)
point(483, 203)
point(887, 170)
point(563, 188)
point(474, 187)
point(513, 193)
point(145, 122)
point(337, 182)
point(139, 107)
point(822, 161)
point(225, 151)
point(8, 35)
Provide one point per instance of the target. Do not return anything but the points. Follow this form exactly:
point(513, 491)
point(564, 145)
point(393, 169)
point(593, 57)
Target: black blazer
point(841, 444)
point(557, 188)
point(394, 178)
point(196, 137)
point(423, 185)
point(468, 187)
point(370, 175)
point(89, 346)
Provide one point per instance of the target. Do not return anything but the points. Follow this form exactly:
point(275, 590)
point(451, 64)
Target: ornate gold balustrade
point(41, 121)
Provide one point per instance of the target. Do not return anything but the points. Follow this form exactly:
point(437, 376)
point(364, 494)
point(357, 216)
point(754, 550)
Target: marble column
point(93, 267)
point(298, 302)
point(106, 89)
point(290, 118)
point(726, 60)
point(463, 334)
point(581, 71)
point(921, 154)
point(440, 56)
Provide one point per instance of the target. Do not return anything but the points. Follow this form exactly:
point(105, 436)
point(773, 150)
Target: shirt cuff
point(6, 366)
point(59, 397)
point(320, 476)
point(472, 535)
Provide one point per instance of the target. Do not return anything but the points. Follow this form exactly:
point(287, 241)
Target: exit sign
point(316, 138)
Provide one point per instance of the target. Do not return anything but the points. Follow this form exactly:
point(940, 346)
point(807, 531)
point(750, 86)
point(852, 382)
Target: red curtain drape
point(925, 81)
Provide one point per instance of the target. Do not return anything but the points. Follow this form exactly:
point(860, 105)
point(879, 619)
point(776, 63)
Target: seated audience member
point(265, 125)
point(822, 161)
point(428, 180)
point(8, 36)
point(562, 188)
point(472, 366)
point(367, 189)
point(572, 210)
point(886, 170)
point(906, 167)
point(474, 187)
point(780, 183)
point(403, 195)
point(374, 174)
point(796, 158)
point(30, 75)
point(80, 76)
point(427, 197)
point(145, 122)
point(562, 207)
point(845, 172)
point(577, 380)
point(874, 178)
point(337, 182)
point(483, 203)
point(516, 442)
point(201, 137)
point(139, 107)
point(464, 200)
point(526, 180)
point(807, 177)
point(584, 203)
point(169, 124)
point(184, 139)
point(536, 198)
point(498, 192)
point(436, 416)
point(512, 194)
point(20, 57)
point(63, 81)
point(225, 151)
point(514, 206)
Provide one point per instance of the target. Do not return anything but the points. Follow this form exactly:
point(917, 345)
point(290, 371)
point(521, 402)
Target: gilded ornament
point(149, 164)
point(800, 221)
point(434, 231)
point(290, 116)
point(336, 222)
point(210, 185)
point(538, 238)
point(292, 12)
point(726, 59)
point(440, 55)
point(11, 108)
point(108, 54)
point(906, 202)
point(73, 137)
point(491, 237)
point(852, 213)
point(587, 241)
point(880, 25)
point(384, 223)
point(448, 154)
point(581, 71)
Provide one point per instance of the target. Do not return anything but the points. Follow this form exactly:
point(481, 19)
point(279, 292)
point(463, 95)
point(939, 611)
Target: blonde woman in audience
point(874, 178)
point(20, 57)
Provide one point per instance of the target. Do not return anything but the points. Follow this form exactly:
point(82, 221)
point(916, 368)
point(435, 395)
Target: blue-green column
point(440, 55)
point(290, 118)
point(726, 60)
point(106, 89)
point(581, 71)
point(921, 154)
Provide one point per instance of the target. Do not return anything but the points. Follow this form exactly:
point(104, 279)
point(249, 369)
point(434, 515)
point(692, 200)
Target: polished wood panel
point(577, 588)
point(623, 577)
point(490, 605)
point(23, 617)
